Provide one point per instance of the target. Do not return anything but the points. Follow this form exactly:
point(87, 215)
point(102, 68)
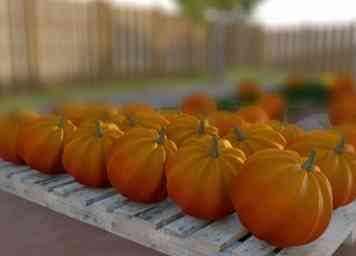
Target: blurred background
point(157, 51)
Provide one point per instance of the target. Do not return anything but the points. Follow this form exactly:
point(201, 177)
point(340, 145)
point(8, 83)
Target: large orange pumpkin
point(85, 155)
point(274, 105)
point(199, 177)
point(187, 127)
point(255, 138)
point(253, 114)
point(282, 198)
point(347, 130)
point(225, 121)
point(149, 120)
point(343, 110)
point(289, 131)
point(11, 125)
point(42, 143)
point(199, 104)
point(339, 165)
point(139, 157)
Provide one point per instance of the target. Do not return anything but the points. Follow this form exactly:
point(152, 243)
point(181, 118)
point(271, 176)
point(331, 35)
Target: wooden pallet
point(161, 226)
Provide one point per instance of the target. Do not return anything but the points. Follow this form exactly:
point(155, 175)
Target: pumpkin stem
point(61, 122)
point(309, 163)
point(162, 136)
point(201, 127)
point(341, 146)
point(99, 130)
point(239, 134)
point(214, 151)
point(131, 120)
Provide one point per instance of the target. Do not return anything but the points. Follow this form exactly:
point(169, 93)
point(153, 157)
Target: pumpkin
point(255, 138)
point(343, 110)
point(347, 130)
point(282, 198)
point(253, 114)
point(139, 157)
point(339, 166)
point(289, 131)
point(170, 114)
point(133, 108)
point(294, 81)
point(225, 121)
point(314, 140)
point(341, 86)
point(249, 90)
point(199, 176)
point(85, 154)
point(42, 143)
point(149, 120)
point(199, 104)
point(11, 125)
point(274, 105)
point(187, 127)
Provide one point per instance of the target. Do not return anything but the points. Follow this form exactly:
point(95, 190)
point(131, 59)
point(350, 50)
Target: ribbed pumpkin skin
point(11, 125)
point(289, 131)
point(314, 140)
point(225, 121)
point(186, 128)
point(137, 107)
point(348, 131)
point(340, 168)
point(136, 165)
point(85, 155)
point(253, 114)
point(170, 115)
point(199, 183)
point(148, 120)
point(43, 141)
point(280, 202)
point(256, 138)
point(198, 104)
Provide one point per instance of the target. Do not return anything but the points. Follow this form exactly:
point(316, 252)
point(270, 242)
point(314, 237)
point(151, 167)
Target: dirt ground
point(29, 229)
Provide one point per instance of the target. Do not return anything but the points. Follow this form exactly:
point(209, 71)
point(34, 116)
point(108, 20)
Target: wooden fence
point(46, 42)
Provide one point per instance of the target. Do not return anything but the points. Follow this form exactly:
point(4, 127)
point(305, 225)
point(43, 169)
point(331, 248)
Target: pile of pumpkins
point(283, 183)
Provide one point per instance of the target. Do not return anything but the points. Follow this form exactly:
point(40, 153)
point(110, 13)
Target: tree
point(219, 12)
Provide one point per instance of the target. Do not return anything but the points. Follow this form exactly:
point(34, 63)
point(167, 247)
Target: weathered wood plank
point(161, 215)
point(132, 208)
point(67, 189)
point(88, 196)
point(219, 235)
point(253, 247)
point(185, 226)
point(9, 170)
point(338, 231)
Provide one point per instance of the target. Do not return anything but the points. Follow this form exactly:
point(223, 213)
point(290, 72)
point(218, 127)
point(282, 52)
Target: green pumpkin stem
point(341, 146)
point(309, 163)
point(239, 134)
point(162, 136)
point(61, 122)
point(99, 130)
point(214, 151)
point(201, 127)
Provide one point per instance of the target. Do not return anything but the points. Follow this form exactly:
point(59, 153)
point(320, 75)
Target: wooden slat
point(88, 196)
point(67, 189)
point(185, 226)
point(161, 215)
point(253, 247)
point(132, 209)
point(108, 205)
point(11, 170)
point(219, 235)
point(338, 231)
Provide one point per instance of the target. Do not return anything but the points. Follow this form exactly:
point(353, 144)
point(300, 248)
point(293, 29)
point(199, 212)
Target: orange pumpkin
point(225, 121)
point(339, 166)
point(278, 189)
point(253, 114)
point(187, 128)
point(316, 139)
point(199, 104)
point(342, 85)
point(42, 143)
point(199, 176)
point(170, 114)
point(255, 138)
point(343, 110)
point(137, 107)
point(149, 120)
point(10, 129)
point(274, 105)
point(249, 90)
point(348, 131)
point(85, 155)
point(139, 157)
point(289, 131)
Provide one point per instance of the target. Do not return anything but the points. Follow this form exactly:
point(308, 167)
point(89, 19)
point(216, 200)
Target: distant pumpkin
point(11, 125)
point(253, 114)
point(274, 105)
point(290, 132)
point(343, 110)
point(225, 121)
point(198, 104)
point(133, 108)
point(249, 90)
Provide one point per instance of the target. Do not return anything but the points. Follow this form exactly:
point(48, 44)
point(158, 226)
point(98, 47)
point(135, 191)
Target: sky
point(283, 12)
